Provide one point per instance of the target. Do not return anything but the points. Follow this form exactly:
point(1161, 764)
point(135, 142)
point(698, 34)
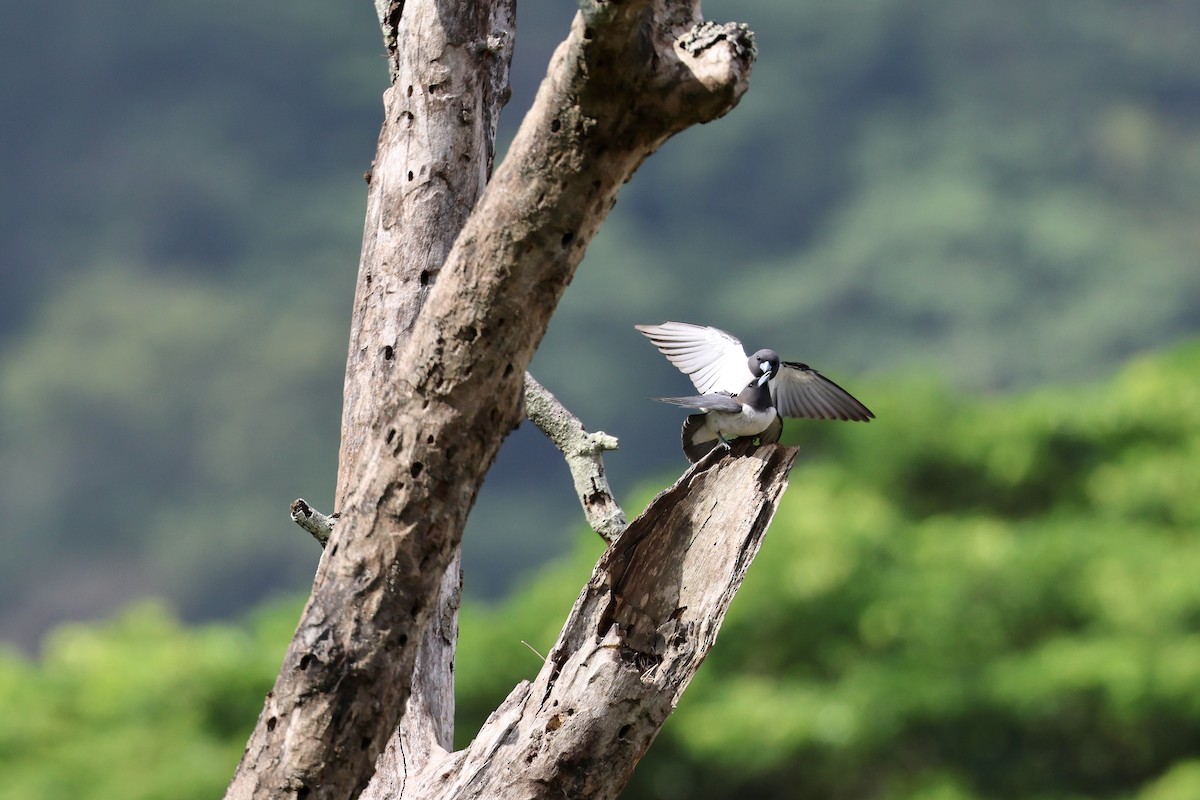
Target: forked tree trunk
point(434, 385)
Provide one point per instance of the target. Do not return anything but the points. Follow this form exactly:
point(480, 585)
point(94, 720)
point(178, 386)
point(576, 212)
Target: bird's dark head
point(764, 365)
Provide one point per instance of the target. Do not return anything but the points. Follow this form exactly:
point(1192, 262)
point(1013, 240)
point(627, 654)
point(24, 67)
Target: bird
point(743, 396)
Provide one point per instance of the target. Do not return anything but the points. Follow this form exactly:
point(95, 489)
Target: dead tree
point(456, 286)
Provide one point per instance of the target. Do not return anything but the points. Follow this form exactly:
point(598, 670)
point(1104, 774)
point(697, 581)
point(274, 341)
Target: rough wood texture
point(628, 76)
point(584, 453)
point(637, 634)
point(449, 67)
point(433, 158)
point(319, 526)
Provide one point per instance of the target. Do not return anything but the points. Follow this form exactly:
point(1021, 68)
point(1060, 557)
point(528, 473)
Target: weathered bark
point(636, 636)
point(449, 66)
point(318, 525)
point(427, 727)
point(433, 158)
point(628, 76)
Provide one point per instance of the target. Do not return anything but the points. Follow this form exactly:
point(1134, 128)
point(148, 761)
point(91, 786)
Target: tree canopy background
point(971, 597)
point(999, 195)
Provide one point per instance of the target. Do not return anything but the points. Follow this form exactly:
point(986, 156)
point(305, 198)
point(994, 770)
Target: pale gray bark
point(584, 453)
point(429, 425)
point(318, 525)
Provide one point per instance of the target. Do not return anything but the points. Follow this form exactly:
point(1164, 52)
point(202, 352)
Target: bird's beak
point(766, 376)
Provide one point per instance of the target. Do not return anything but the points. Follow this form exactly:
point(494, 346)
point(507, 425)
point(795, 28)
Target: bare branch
point(313, 521)
point(583, 453)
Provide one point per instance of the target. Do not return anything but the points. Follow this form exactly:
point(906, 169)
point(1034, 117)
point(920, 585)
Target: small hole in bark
point(391, 434)
point(416, 609)
point(588, 34)
point(508, 370)
point(425, 275)
point(271, 723)
point(403, 640)
point(333, 552)
point(410, 175)
point(621, 734)
point(415, 469)
point(305, 660)
point(429, 439)
point(410, 91)
point(302, 793)
point(567, 238)
point(555, 126)
point(368, 279)
point(389, 352)
point(365, 744)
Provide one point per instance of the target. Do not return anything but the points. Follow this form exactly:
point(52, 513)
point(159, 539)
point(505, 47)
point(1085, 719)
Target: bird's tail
point(695, 401)
point(692, 426)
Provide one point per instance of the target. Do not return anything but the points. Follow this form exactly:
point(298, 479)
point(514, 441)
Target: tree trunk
point(449, 69)
point(628, 76)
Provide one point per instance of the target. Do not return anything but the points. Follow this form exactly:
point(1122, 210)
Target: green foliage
point(960, 601)
point(138, 707)
point(1003, 195)
point(187, 401)
point(969, 601)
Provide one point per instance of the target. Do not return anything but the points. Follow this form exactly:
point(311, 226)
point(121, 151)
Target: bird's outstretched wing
point(712, 358)
point(801, 391)
point(715, 401)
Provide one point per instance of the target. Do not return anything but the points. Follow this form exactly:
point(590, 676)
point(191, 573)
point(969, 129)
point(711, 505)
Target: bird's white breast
point(748, 422)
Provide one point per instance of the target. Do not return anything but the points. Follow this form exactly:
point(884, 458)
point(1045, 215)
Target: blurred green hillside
point(965, 601)
point(1001, 195)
